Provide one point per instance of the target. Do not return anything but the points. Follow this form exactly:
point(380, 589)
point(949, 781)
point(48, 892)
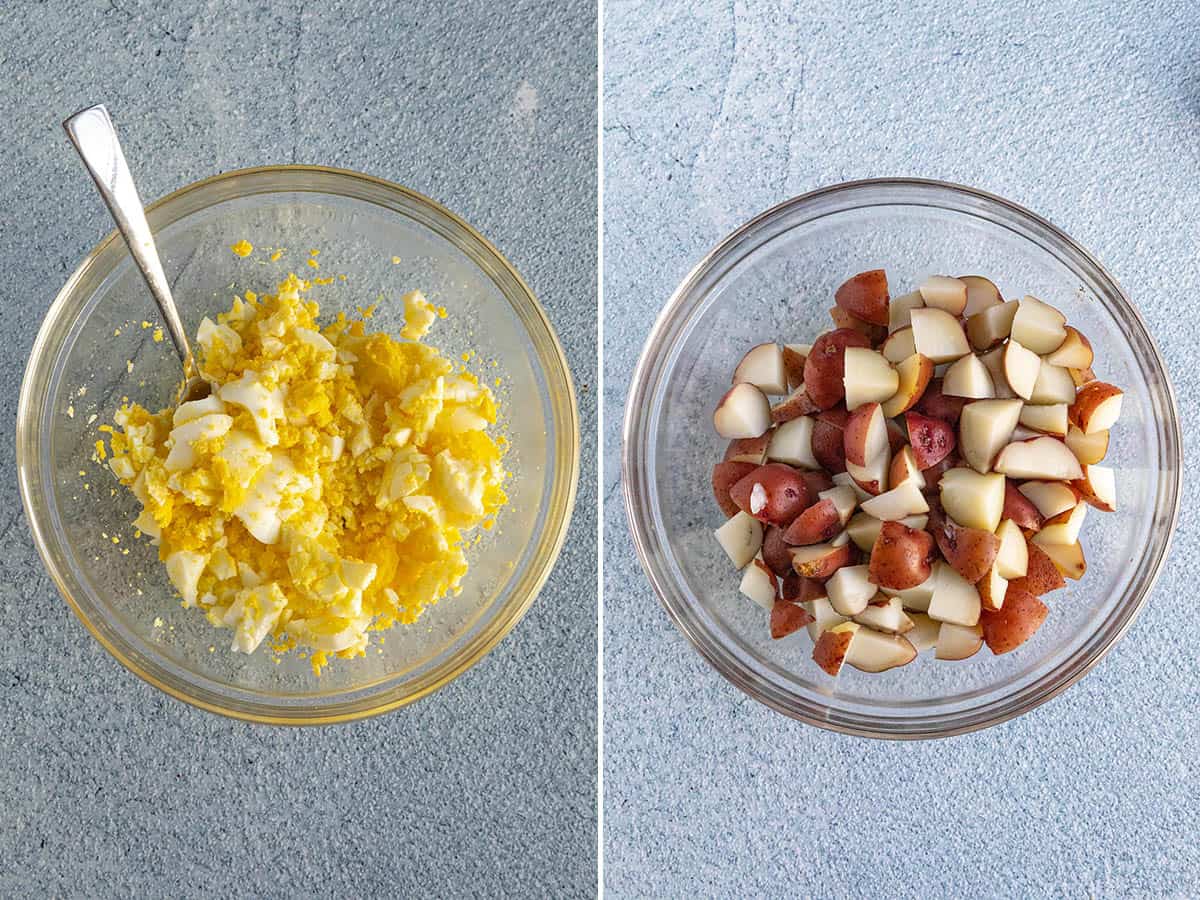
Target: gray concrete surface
point(487, 788)
point(1087, 113)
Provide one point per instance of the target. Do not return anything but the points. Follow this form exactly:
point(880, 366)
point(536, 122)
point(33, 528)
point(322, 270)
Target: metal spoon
point(91, 131)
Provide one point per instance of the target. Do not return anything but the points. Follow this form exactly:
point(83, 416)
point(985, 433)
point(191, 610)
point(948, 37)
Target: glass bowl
point(386, 240)
point(774, 278)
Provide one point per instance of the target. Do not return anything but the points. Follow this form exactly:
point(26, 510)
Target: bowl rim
point(565, 484)
point(638, 399)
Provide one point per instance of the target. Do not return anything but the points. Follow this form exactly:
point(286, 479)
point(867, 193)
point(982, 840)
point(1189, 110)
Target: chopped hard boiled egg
point(327, 487)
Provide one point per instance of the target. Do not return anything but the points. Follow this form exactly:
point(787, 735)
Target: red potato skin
point(828, 439)
point(1014, 623)
point(897, 439)
point(1020, 509)
point(787, 618)
point(797, 404)
point(793, 367)
point(854, 437)
point(865, 296)
point(787, 494)
point(1089, 396)
point(932, 439)
point(842, 319)
point(751, 450)
point(1042, 575)
point(936, 405)
point(1083, 489)
point(822, 569)
point(829, 652)
point(902, 557)
point(796, 589)
point(774, 551)
point(825, 367)
point(817, 481)
point(724, 476)
point(969, 551)
point(820, 522)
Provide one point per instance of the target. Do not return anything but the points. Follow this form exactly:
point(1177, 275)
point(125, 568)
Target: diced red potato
point(1049, 419)
point(1097, 407)
point(899, 345)
point(897, 503)
point(1049, 498)
point(759, 584)
point(935, 404)
point(762, 366)
point(793, 364)
point(938, 335)
point(787, 618)
point(933, 474)
point(1014, 623)
point(828, 441)
point(817, 481)
point(900, 310)
point(946, 293)
point(1054, 385)
point(993, 360)
point(820, 561)
point(1020, 509)
point(1021, 369)
point(924, 633)
point(751, 450)
point(817, 524)
point(874, 651)
point(981, 294)
point(1098, 486)
point(886, 614)
point(773, 493)
point(867, 377)
point(775, 552)
point(1075, 352)
point(904, 467)
point(724, 476)
point(932, 440)
point(1039, 326)
point(1089, 449)
point(872, 477)
point(741, 538)
point(969, 551)
point(791, 443)
point(901, 557)
point(1082, 376)
point(956, 642)
point(850, 590)
point(1044, 459)
point(1063, 528)
point(990, 326)
point(843, 319)
point(985, 429)
point(864, 528)
point(793, 406)
point(968, 377)
point(742, 413)
point(865, 435)
point(799, 590)
point(865, 296)
point(915, 372)
point(823, 613)
point(824, 370)
point(1041, 575)
point(972, 499)
point(992, 587)
point(830, 650)
point(1012, 559)
point(955, 599)
point(1067, 558)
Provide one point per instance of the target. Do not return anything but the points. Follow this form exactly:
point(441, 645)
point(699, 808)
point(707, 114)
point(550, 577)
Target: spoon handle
point(91, 131)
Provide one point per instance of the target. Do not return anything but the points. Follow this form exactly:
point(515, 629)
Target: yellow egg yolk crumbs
point(327, 486)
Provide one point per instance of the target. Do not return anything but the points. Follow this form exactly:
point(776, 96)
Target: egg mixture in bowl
point(377, 487)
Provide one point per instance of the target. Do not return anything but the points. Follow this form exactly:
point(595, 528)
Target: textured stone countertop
point(111, 788)
point(1084, 112)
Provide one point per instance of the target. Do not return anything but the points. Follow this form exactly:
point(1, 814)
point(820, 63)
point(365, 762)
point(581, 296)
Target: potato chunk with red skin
point(865, 296)
point(969, 551)
point(1041, 574)
point(787, 618)
point(825, 368)
point(932, 440)
point(774, 551)
point(901, 557)
point(724, 476)
point(818, 523)
point(774, 493)
point(828, 439)
point(1020, 509)
point(1014, 623)
point(936, 405)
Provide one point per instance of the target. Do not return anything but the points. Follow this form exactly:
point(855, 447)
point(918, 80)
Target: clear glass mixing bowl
point(774, 278)
point(359, 224)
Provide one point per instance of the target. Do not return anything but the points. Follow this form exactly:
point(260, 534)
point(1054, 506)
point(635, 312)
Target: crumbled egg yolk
point(328, 485)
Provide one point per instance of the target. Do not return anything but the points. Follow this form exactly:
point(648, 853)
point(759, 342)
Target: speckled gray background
point(108, 787)
point(1088, 114)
